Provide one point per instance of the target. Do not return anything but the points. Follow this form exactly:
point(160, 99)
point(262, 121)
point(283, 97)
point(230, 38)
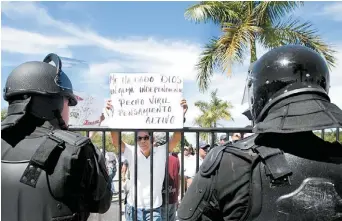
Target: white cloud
point(153, 55)
point(333, 10)
point(335, 91)
point(24, 42)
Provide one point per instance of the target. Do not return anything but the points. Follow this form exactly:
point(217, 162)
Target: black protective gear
point(285, 172)
point(299, 113)
point(246, 181)
point(48, 174)
point(283, 72)
point(40, 78)
point(40, 86)
point(51, 175)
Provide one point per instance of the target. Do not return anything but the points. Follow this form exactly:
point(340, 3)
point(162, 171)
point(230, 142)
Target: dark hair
point(191, 150)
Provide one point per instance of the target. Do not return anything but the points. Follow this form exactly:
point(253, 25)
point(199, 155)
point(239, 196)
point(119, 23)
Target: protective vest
point(36, 176)
point(283, 186)
point(295, 188)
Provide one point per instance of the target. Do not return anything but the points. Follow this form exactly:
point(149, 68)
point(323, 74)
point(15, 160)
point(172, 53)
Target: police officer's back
point(284, 172)
point(47, 172)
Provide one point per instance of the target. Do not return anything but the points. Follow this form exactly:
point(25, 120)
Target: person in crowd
point(173, 190)
point(111, 167)
point(189, 160)
point(223, 139)
point(236, 137)
point(191, 171)
point(143, 172)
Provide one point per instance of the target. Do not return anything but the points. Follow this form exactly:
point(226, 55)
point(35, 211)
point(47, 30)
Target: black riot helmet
point(42, 86)
point(40, 78)
point(282, 72)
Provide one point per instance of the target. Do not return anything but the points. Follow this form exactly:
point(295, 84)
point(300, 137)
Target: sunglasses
point(145, 138)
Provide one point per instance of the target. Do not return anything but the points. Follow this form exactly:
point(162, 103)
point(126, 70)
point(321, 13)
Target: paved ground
point(112, 214)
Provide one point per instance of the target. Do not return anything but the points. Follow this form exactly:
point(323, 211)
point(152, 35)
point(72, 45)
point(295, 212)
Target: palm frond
point(209, 58)
point(274, 10)
point(294, 32)
point(235, 41)
point(215, 11)
point(213, 94)
point(203, 106)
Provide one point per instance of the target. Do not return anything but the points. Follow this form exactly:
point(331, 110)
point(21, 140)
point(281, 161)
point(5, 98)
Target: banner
point(150, 101)
point(87, 111)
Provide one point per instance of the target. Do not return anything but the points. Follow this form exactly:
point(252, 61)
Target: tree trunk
point(253, 51)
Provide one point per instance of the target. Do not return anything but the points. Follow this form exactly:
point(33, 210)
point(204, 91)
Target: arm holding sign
point(92, 133)
point(177, 136)
point(115, 135)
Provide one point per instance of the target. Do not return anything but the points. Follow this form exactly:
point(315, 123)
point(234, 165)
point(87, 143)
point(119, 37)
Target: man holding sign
point(143, 173)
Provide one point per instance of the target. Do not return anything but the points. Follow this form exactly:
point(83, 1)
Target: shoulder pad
point(245, 144)
point(70, 137)
point(211, 161)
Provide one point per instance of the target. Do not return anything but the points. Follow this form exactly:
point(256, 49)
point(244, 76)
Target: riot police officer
point(284, 172)
point(48, 173)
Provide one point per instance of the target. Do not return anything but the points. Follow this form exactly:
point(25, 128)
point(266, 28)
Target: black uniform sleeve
point(99, 195)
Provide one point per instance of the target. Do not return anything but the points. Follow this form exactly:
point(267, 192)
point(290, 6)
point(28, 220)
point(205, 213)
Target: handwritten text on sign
point(146, 101)
point(87, 111)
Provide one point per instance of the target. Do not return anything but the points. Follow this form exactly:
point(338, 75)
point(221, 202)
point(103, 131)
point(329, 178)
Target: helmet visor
point(69, 73)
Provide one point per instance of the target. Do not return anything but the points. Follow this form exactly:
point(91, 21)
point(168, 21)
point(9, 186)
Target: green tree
point(329, 135)
point(211, 112)
point(97, 141)
point(245, 23)
point(3, 114)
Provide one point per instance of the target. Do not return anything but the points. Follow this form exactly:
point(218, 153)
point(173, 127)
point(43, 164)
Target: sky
point(139, 37)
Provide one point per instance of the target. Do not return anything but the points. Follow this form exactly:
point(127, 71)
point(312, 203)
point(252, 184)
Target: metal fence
point(197, 131)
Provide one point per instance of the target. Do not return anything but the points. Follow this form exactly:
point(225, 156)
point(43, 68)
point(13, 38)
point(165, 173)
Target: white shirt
point(187, 161)
point(143, 176)
point(110, 158)
point(191, 167)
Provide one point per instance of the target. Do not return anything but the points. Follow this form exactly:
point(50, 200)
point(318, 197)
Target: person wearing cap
point(223, 139)
point(191, 171)
point(47, 172)
point(284, 171)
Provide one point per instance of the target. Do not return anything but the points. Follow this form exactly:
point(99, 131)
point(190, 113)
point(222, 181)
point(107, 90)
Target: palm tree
point(245, 23)
point(211, 112)
point(3, 114)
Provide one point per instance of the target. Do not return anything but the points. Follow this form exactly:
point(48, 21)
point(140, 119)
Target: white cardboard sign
point(150, 101)
point(87, 111)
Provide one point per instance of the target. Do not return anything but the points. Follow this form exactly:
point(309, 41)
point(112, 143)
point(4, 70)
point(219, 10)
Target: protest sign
point(87, 111)
point(150, 101)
